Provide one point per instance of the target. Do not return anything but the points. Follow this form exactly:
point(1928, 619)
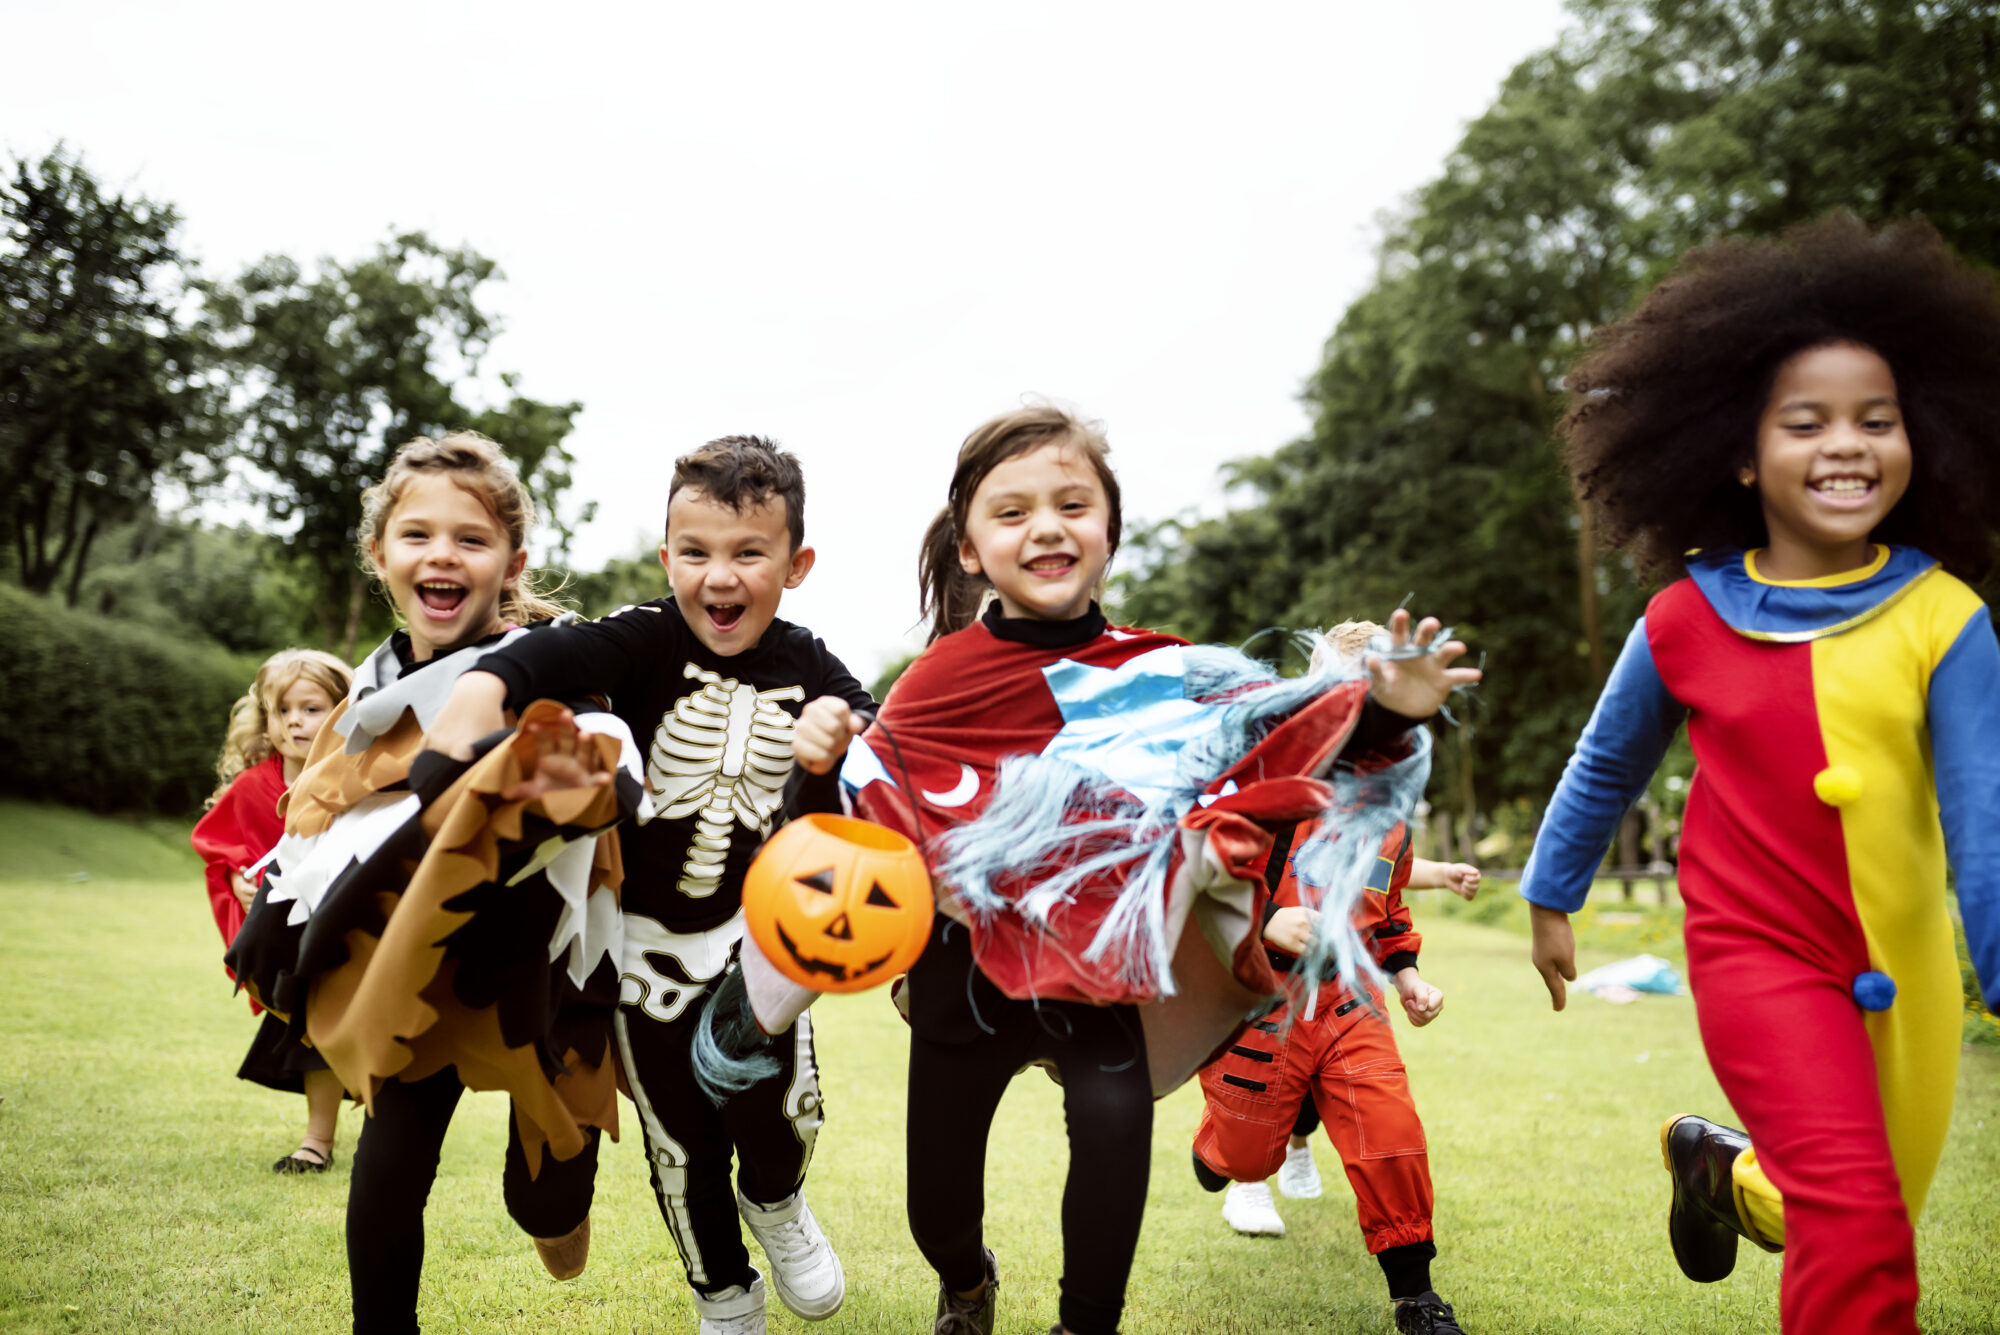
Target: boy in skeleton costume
point(713, 685)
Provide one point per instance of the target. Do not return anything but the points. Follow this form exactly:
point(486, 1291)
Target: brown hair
point(248, 741)
point(475, 463)
point(743, 472)
point(950, 596)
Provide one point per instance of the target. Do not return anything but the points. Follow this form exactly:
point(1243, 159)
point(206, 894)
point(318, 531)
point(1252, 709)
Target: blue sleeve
point(1965, 748)
point(1621, 746)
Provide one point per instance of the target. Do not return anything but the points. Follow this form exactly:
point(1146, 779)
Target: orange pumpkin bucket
point(838, 904)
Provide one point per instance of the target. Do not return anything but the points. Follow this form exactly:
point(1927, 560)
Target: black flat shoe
point(1426, 1314)
point(1702, 1222)
point(296, 1162)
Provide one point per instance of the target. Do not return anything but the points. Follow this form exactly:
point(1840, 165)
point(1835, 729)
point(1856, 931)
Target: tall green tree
point(102, 383)
point(340, 367)
point(1430, 465)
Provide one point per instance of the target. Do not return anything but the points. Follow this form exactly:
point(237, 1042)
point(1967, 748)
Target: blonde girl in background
point(270, 730)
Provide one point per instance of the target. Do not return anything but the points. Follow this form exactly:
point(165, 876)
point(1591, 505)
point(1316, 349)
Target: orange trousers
point(1345, 1059)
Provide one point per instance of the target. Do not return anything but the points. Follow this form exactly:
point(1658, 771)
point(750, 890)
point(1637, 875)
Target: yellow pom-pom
point(1838, 785)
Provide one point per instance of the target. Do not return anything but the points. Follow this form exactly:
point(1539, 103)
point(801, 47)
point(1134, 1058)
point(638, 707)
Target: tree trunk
point(81, 562)
point(357, 602)
point(1443, 833)
point(1467, 803)
point(1586, 579)
point(1628, 845)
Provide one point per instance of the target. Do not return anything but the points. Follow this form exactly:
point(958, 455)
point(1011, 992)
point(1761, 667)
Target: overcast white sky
point(861, 229)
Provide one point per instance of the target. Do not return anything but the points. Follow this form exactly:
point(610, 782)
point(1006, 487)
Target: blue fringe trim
point(730, 1052)
point(1054, 825)
point(1332, 866)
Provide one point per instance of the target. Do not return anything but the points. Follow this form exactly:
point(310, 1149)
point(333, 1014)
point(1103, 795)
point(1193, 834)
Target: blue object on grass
point(1641, 973)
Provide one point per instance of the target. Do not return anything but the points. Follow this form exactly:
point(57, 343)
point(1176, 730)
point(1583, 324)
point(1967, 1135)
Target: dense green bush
point(109, 716)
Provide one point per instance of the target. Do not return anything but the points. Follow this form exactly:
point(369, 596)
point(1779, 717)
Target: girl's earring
point(1748, 477)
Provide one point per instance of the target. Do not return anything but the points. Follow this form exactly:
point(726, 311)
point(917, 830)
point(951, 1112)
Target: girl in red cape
point(270, 730)
point(1075, 956)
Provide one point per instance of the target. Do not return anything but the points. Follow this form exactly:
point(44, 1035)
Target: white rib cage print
point(722, 755)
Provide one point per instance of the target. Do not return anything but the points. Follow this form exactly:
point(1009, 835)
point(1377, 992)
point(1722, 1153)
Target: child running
point(718, 684)
point(432, 927)
point(1801, 429)
point(1338, 1054)
point(1247, 1206)
point(994, 704)
point(270, 730)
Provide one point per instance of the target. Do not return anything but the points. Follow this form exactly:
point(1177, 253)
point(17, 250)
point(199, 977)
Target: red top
point(1380, 917)
point(238, 830)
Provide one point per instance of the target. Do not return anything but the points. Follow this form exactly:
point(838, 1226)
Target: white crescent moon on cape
point(966, 790)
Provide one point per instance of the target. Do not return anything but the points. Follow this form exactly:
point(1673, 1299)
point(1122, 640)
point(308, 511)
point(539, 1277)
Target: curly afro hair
point(1665, 404)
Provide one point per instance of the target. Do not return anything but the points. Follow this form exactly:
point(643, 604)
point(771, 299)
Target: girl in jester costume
point(1799, 427)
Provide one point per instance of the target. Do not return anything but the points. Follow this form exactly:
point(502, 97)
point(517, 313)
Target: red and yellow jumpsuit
point(1847, 733)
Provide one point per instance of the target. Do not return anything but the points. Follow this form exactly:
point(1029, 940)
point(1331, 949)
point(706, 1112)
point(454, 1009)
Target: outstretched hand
point(1411, 683)
point(555, 755)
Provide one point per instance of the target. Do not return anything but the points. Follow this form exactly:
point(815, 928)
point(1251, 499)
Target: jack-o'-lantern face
point(838, 905)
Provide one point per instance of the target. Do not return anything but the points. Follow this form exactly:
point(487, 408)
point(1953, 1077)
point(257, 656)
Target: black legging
point(1108, 1107)
point(394, 1166)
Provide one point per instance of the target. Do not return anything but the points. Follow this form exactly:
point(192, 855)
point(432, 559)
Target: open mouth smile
point(1844, 490)
point(441, 598)
point(725, 617)
point(1051, 567)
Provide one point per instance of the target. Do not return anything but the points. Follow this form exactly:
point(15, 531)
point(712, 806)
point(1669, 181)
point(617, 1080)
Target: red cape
point(238, 830)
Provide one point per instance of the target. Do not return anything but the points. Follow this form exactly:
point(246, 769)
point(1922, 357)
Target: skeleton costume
point(425, 935)
point(717, 732)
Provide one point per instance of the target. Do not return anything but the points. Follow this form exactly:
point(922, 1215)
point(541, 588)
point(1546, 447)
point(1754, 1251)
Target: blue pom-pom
point(1874, 990)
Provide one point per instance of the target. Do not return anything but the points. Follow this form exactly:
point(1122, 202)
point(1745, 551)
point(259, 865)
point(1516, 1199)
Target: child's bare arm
point(1461, 878)
point(476, 707)
point(243, 890)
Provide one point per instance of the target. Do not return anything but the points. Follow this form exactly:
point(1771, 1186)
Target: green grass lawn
point(135, 1193)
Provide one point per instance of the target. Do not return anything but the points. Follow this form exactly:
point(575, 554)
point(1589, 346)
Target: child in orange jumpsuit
point(1338, 1050)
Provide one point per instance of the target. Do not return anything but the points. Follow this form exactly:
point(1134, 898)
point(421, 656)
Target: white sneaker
point(804, 1269)
point(734, 1311)
point(1247, 1208)
point(1299, 1178)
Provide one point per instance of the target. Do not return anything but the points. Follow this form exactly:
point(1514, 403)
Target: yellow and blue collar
point(1794, 611)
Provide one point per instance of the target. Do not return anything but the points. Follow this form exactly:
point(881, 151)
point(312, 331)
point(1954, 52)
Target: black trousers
point(1108, 1108)
point(769, 1129)
point(394, 1166)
